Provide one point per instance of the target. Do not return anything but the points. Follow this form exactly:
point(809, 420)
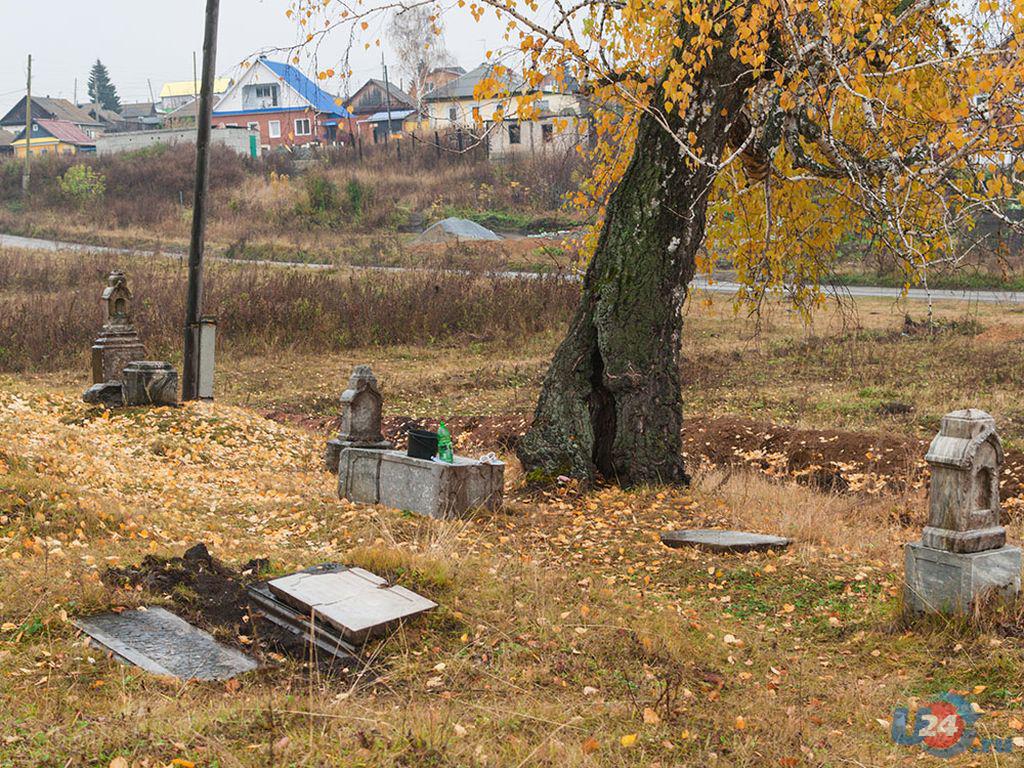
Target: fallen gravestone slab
point(355, 602)
point(164, 644)
point(454, 230)
point(302, 626)
point(723, 541)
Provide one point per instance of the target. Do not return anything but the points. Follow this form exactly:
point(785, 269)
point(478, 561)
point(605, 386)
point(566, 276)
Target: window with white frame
point(260, 96)
point(303, 127)
point(274, 129)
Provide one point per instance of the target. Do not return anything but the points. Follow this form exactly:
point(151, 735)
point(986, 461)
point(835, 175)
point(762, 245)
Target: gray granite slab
point(356, 602)
point(723, 541)
point(164, 644)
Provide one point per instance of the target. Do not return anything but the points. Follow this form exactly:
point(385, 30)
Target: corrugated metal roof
point(382, 117)
point(62, 130)
point(191, 87)
point(318, 98)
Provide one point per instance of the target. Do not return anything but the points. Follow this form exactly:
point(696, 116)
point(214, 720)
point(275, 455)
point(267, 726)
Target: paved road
point(852, 291)
point(881, 292)
point(40, 244)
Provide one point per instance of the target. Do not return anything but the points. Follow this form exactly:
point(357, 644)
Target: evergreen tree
point(101, 90)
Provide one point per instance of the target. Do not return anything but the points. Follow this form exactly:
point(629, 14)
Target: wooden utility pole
point(204, 120)
point(387, 96)
point(27, 173)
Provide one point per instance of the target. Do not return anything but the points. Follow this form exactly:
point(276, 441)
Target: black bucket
point(422, 444)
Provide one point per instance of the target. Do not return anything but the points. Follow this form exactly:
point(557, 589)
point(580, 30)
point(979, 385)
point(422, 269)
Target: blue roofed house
point(285, 106)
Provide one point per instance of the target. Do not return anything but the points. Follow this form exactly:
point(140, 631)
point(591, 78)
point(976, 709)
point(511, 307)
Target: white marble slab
point(354, 601)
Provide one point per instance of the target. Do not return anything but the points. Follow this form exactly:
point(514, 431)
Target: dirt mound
point(209, 594)
point(829, 459)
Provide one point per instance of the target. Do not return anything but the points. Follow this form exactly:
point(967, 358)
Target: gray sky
point(140, 40)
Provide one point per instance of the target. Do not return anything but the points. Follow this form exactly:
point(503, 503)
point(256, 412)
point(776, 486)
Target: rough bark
point(611, 400)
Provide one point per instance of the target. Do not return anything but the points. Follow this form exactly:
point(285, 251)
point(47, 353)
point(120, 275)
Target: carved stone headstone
point(118, 344)
point(962, 554)
point(361, 411)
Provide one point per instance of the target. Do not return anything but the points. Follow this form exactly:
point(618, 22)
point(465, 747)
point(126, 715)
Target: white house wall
point(531, 137)
point(260, 74)
point(440, 110)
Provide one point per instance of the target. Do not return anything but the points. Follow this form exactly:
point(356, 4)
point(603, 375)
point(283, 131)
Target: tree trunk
point(611, 397)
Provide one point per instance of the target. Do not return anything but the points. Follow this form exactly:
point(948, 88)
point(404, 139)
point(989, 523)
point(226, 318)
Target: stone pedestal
point(113, 349)
point(336, 445)
point(361, 409)
point(423, 486)
point(147, 382)
point(938, 581)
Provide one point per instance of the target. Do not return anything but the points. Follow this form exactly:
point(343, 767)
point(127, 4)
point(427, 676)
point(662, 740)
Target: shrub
point(261, 310)
point(81, 184)
point(323, 202)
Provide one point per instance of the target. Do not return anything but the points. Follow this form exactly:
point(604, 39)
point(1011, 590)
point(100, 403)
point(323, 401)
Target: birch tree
point(765, 130)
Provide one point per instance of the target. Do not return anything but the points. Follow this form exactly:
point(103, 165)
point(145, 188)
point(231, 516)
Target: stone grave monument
point(962, 554)
point(361, 408)
point(424, 486)
point(118, 344)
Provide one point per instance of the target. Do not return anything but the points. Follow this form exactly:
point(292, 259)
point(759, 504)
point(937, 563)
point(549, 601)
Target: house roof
point(57, 109)
point(191, 87)
point(62, 130)
point(6, 137)
point(382, 117)
point(463, 86)
point(454, 69)
point(399, 98)
point(104, 115)
point(62, 109)
point(190, 109)
point(317, 97)
point(138, 109)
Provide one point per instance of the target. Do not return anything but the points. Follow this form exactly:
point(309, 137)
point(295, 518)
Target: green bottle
point(444, 444)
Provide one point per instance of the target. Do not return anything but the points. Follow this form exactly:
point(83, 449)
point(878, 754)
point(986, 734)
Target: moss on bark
point(611, 400)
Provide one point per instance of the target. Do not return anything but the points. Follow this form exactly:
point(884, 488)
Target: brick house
point(286, 107)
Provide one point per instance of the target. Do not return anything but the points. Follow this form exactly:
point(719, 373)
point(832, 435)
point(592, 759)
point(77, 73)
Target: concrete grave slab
point(357, 603)
point(424, 486)
point(723, 541)
point(164, 644)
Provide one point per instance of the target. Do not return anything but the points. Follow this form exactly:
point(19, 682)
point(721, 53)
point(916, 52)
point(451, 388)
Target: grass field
point(567, 634)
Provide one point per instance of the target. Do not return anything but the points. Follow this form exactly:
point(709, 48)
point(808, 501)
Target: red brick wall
point(288, 137)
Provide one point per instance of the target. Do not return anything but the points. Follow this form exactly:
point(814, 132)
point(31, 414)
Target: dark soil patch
point(211, 595)
point(828, 459)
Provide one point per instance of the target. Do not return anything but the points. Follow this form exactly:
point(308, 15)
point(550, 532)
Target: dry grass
point(564, 627)
point(274, 209)
point(563, 620)
point(50, 309)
